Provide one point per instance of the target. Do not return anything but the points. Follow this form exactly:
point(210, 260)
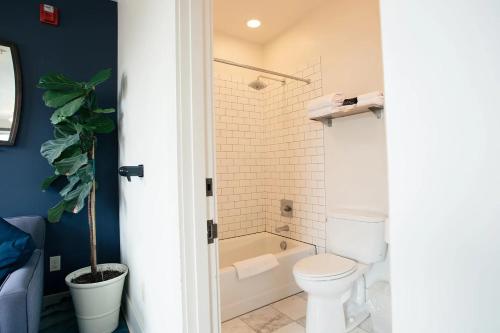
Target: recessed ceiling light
point(253, 23)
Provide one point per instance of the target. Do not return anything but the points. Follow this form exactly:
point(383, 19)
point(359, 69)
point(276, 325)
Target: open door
point(197, 161)
point(213, 240)
point(165, 124)
point(211, 171)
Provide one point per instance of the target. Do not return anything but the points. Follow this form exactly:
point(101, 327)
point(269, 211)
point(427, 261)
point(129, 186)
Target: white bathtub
point(240, 296)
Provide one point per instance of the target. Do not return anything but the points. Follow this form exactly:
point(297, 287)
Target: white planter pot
point(97, 305)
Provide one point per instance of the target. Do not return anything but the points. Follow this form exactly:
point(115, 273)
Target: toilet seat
point(324, 266)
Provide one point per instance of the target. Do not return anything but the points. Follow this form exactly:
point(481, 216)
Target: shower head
point(257, 84)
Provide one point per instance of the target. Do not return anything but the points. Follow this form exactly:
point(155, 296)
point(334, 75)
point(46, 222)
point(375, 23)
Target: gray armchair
point(22, 292)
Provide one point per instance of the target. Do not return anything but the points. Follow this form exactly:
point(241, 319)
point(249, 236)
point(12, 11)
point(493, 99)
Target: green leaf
point(74, 194)
point(70, 152)
point(99, 78)
point(55, 213)
point(57, 98)
point(110, 110)
point(75, 200)
point(91, 100)
point(67, 110)
point(52, 149)
point(58, 82)
point(70, 165)
point(48, 181)
point(68, 207)
point(64, 129)
point(59, 133)
point(101, 124)
point(85, 174)
point(72, 181)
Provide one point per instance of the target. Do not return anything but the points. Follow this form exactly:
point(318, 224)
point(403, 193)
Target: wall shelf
point(376, 109)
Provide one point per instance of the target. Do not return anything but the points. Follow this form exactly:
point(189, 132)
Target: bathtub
point(240, 296)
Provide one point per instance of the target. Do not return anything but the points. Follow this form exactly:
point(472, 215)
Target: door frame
point(196, 157)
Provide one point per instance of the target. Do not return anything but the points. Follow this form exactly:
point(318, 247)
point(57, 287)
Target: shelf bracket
point(375, 109)
point(377, 112)
point(327, 122)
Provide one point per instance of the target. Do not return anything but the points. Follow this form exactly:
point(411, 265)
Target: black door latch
point(209, 189)
point(211, 231)
point(131, 171)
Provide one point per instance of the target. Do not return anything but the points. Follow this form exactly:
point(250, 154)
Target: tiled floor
point(285, 316)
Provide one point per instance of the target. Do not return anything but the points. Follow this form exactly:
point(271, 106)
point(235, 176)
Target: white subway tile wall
point(239, 157)
point(295, 157)
point(268, 150)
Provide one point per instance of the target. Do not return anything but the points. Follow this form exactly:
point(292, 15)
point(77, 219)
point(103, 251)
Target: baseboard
point(130, 315)
point(52, 299)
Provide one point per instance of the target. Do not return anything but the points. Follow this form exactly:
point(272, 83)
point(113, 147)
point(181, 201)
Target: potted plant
point(96, 290)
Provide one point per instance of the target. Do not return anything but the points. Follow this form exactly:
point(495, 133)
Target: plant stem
point(91, 218)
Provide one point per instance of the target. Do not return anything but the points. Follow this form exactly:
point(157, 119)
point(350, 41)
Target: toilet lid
point(324, 266)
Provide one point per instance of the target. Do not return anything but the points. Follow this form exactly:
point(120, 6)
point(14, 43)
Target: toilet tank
point(356, 235)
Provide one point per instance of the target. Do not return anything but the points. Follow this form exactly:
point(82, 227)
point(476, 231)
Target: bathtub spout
point(283, 228)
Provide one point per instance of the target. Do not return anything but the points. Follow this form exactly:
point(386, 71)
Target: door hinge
point(209, 187)
point(211, 231)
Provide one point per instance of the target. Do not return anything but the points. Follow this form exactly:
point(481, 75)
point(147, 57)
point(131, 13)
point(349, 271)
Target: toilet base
point(325, 315)
point(355, 321)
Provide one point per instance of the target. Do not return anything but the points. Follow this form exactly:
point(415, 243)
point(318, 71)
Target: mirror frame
point(17, 107)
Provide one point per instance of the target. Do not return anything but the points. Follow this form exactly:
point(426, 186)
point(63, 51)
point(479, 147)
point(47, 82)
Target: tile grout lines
point(284, 316)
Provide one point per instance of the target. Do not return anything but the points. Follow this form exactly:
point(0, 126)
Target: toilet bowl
point(328, 281)
point(355, 240)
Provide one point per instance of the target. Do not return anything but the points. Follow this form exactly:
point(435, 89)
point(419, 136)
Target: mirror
point(10, 93)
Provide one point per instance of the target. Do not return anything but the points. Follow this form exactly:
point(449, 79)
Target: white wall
point(442, 77)
point(346, 35)
point(149, 224)
point(237, 50)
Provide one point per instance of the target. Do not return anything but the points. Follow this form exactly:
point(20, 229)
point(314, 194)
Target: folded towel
point(331, 100)
point(370, 95)
point(322, 112)
point(345, 108)
point(379, 100)
point(254, 266)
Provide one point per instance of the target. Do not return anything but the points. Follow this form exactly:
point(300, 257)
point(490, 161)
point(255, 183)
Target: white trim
point(192, 157)
point(213, 255)
point(130, 315)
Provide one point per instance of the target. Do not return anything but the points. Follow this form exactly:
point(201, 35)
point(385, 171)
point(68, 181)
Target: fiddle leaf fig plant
point(77, 120)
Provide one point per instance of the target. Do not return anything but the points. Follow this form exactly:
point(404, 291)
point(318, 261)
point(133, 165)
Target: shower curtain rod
point(262, 70)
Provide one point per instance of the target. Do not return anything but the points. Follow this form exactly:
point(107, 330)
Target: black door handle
point(131, 171)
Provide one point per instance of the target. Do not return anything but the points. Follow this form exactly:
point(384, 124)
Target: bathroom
point(280, 176)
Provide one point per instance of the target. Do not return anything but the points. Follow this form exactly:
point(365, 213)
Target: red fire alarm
point(49, 14)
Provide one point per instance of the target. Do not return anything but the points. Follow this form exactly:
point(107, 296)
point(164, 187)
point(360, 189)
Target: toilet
point(334, 281)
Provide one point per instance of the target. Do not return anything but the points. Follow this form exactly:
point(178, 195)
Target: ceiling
point(230, 17)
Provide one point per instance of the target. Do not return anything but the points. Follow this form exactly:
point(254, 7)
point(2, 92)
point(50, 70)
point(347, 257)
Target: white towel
point(378, 100)
point(331, 100)
point(254, 266)
point(370, 95)
point(345, 108)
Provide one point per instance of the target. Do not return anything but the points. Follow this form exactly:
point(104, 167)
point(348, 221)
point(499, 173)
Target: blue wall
point(83, 43)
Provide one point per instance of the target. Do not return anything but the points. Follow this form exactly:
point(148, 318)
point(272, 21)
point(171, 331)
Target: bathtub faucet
point(283, 228)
